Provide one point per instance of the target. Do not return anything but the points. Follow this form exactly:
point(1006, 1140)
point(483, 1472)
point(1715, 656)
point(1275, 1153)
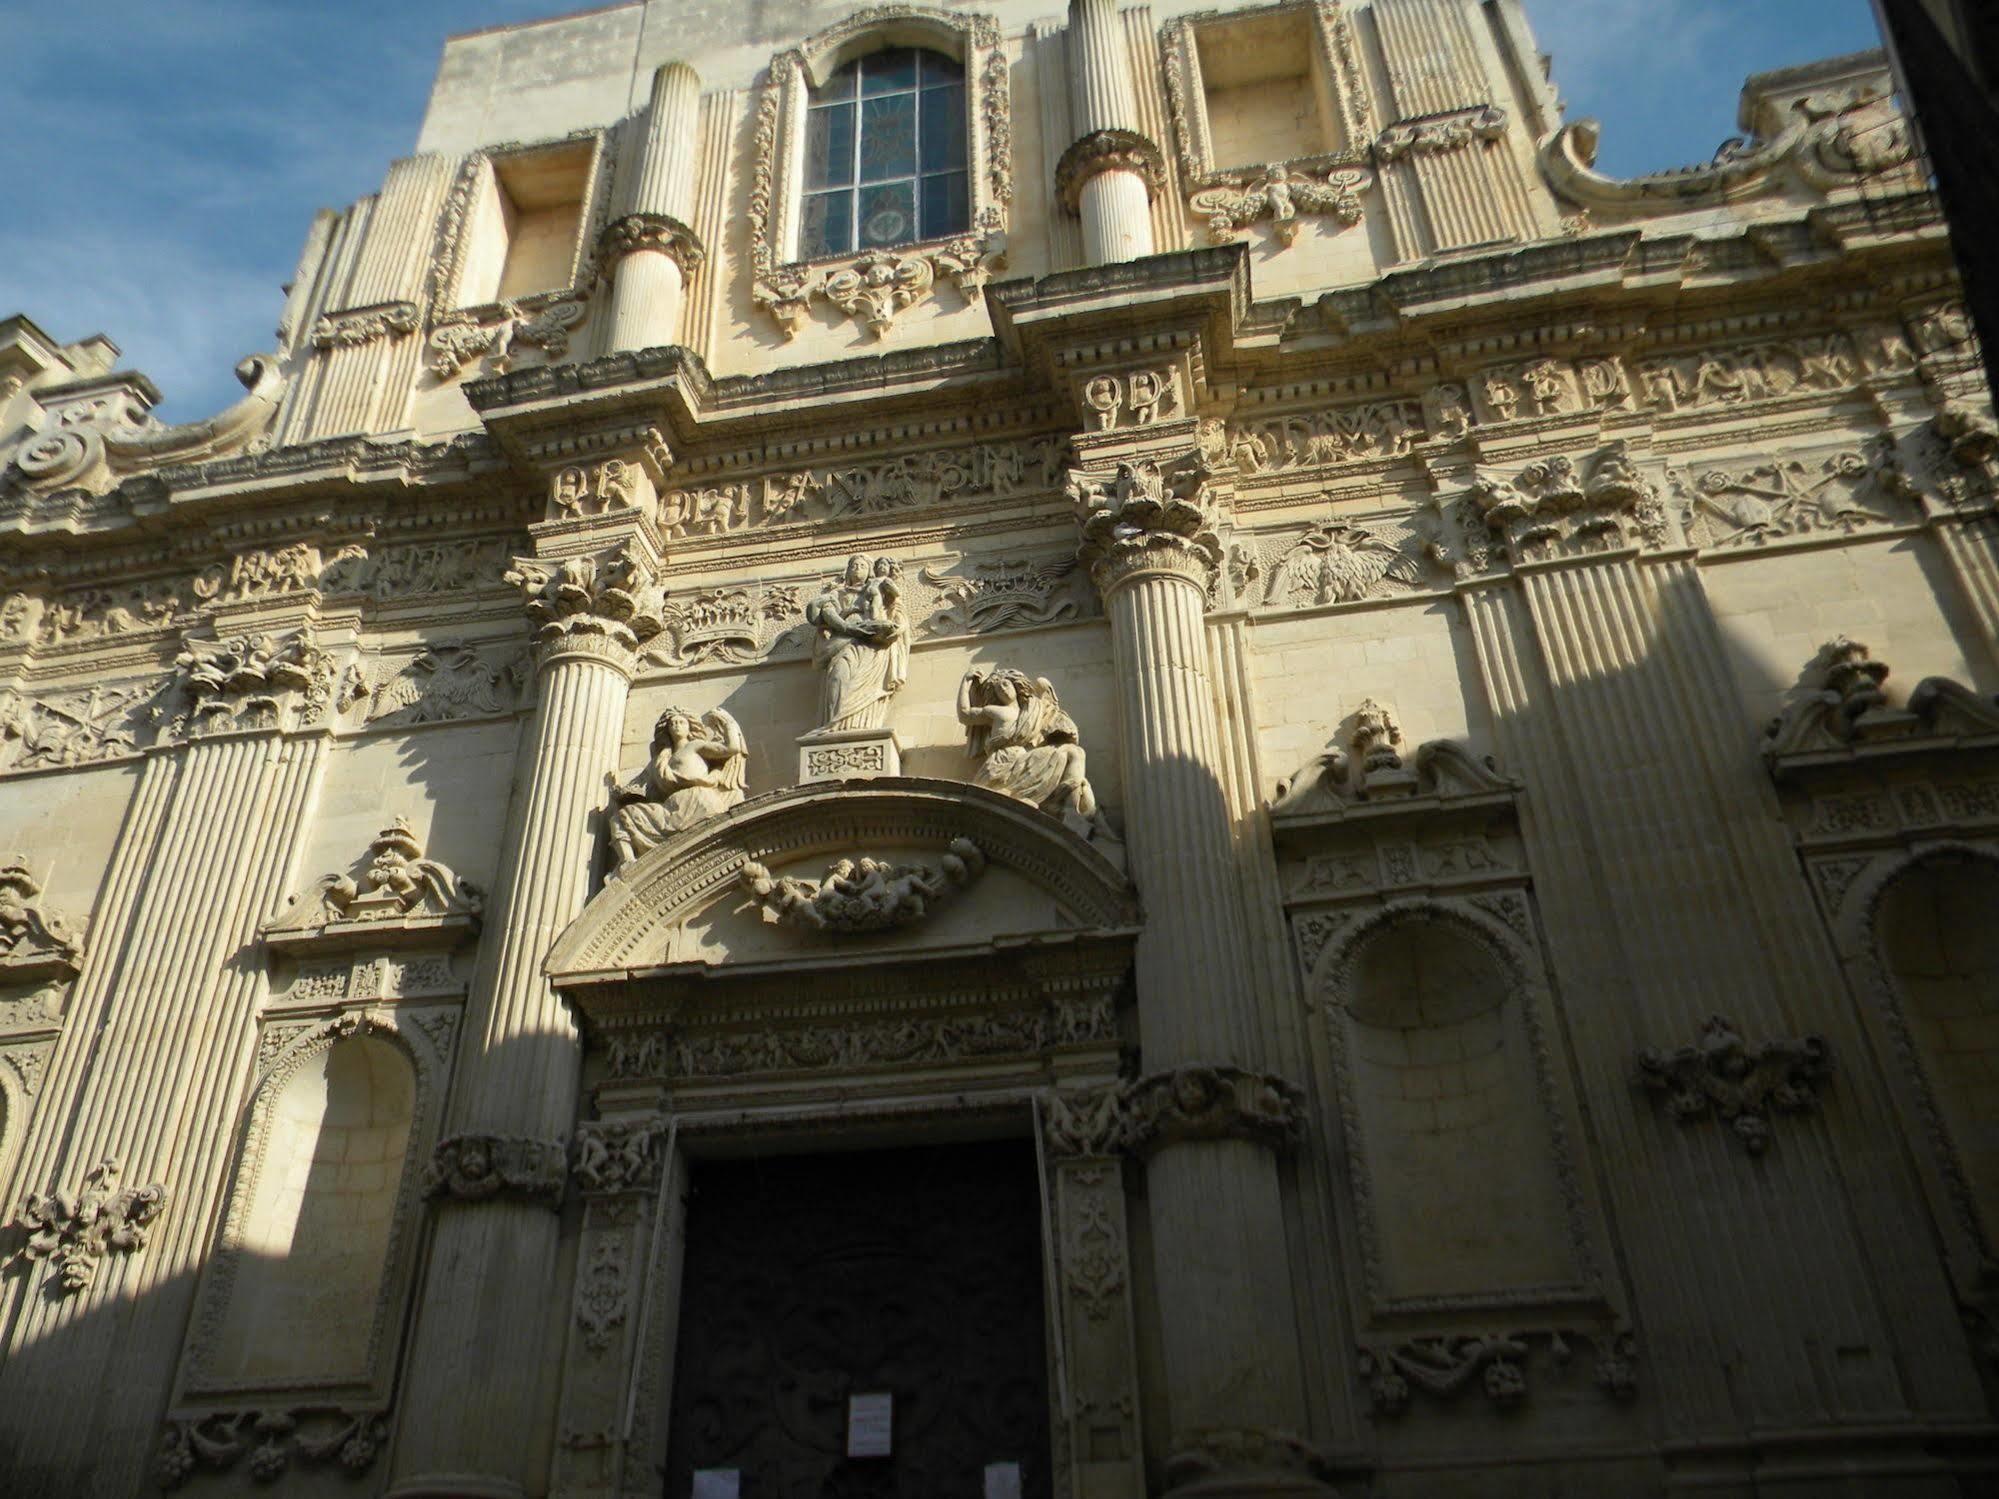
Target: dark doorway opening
point(809, 1280)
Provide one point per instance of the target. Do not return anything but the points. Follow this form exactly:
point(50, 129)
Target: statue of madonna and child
point(860, 643)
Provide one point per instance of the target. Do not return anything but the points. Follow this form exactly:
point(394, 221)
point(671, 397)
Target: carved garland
point(876, 286)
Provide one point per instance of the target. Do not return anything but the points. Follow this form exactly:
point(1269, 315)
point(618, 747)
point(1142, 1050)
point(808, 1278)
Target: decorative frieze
point(1004, 594)
point(272, 1440)
point(863, 894)
point(1723, 1076)
point(481, 1167)
point(1282, 193)
point(74, 1232)
point(1334, 562)
point(444, 681)
point(1757, 504)
point(1556, 507)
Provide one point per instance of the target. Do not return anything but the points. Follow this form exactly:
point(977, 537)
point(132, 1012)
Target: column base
point(848, 755)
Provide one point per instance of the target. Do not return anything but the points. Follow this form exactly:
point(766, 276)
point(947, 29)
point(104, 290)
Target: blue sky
point(167, 155)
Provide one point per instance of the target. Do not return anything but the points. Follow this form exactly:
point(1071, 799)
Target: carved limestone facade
point(1139, 725)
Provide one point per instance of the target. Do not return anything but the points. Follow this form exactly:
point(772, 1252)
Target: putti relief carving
point(1725, 1076)
point(75, 1233)
point(1027, 747)
point(864, 895)
point(696, 772)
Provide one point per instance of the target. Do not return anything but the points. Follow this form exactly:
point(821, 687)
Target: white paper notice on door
point(868, 1421)
point(718, 1483)
point(1002, 1481)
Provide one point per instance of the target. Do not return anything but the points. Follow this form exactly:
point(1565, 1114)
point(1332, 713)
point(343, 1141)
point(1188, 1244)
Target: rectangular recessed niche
point(521, 233)
point(1264, 89)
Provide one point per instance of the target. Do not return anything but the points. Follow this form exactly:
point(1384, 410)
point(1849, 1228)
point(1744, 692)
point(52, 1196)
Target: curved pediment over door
point(852, 928)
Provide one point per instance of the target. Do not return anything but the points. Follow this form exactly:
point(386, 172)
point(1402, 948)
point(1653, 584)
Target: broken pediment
point(831, 881)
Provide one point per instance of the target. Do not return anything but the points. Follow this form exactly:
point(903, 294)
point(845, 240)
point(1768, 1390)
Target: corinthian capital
point(602, 606)
point(1147, 518)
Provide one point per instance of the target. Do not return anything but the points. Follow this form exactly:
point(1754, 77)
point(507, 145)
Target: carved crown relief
point(36, 944)
point(874, 287)
point(399, 897)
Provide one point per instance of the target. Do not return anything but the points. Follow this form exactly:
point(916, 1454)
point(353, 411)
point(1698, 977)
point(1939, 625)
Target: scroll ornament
point(1281, 194)
point(1725, 1076)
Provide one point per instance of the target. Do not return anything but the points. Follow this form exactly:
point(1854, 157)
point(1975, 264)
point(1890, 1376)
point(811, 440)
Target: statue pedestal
point(848, 755)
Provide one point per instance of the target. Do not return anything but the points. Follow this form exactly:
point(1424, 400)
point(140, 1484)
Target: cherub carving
point(1027, 747)
point(696, 772)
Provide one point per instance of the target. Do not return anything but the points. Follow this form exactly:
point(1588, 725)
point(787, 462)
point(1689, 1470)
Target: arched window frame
point(873, 286)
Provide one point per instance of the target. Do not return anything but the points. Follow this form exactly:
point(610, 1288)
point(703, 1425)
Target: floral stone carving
point(1108, 151)
point(1027, 747)
point(1147, 516)
point(480, 1167)
point(75, 1233)
point(252, 682)
point(696, 772)
point(1554, 506)
point(1443, 1366)
point(397, 888)
point(35, 944)
point(864, 895)
point(1723, 1075)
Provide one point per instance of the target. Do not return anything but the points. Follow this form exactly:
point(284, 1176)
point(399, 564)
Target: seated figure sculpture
point(1028, 748)
point(696, 772)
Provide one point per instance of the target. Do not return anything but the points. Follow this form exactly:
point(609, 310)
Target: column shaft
point(489, 1311)
point(1117, 217)
point(647, 280)
point(1114, 203)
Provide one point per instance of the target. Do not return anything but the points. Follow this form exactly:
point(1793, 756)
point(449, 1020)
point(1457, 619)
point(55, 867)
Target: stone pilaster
point(1201, 1117)
point(147, 1080)
point(490, 1303)
point(1109, 175)
point(649, 252)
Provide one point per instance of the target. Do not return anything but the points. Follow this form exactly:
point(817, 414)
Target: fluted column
point(1109, 175)
point(649, 252)
point(490, 1309)
point(1206, 1122)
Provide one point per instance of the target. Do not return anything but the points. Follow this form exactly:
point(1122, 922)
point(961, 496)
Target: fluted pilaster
point(165, 1011)
point(1112, 168)
point(649, 251)
point(489, 1302)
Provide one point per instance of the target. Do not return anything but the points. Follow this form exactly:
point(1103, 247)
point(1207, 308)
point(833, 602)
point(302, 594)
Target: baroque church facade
point(934, 752)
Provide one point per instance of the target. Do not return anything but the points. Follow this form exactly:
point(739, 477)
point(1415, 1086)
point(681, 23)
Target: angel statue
point(1027, 746)
point(696, 771)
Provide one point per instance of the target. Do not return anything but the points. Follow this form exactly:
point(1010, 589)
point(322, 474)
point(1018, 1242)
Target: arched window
point(885, 159)
point(1455, 1149)
point(1940, 947)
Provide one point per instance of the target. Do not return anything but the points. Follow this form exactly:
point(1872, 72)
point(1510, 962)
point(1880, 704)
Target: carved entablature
point(1327, 180)
point(874, 287)
point(692, 975)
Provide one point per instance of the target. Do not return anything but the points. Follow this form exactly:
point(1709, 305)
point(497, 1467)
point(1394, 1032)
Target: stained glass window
point(885, 154)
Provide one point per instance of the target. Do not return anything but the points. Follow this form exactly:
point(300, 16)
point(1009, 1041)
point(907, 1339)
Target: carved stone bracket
point(1108, 151)
point(76, 1232)
point(315, 1435)
point(400, 897)
point(1725, 1076)
point(606, 607)
point(619, 1155)
point(650, 231)
point(1497, 1363)
point(36, 944)
point(864, 895)
point(480, 1167)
